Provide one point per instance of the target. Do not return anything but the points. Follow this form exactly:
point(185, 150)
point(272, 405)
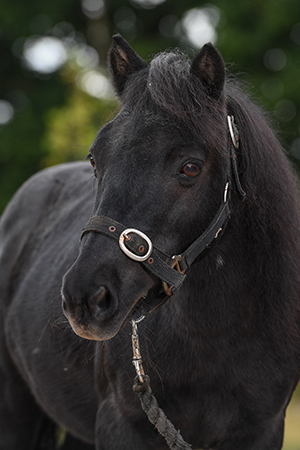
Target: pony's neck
point(210, 298)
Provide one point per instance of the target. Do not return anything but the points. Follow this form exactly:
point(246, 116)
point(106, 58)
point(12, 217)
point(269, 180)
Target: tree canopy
point(54, 87)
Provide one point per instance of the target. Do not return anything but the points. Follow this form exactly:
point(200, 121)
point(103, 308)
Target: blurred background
point(55, 91)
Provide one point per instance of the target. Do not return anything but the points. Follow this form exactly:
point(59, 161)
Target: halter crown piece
point(170, 269)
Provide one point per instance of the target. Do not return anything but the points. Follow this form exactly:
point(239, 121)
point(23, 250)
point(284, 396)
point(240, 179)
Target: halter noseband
point(171, 269)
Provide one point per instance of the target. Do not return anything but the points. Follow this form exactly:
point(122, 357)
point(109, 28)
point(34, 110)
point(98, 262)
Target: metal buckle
point(175, 265)
point(124, 236)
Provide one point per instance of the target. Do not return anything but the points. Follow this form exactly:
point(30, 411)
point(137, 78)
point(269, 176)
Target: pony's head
point(161, 169)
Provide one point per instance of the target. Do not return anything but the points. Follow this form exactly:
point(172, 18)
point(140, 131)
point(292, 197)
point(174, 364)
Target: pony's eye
point(93, 164)
point(190, 169)
point(92, 161)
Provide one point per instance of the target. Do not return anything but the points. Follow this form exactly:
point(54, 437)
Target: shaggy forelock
point(181, 95)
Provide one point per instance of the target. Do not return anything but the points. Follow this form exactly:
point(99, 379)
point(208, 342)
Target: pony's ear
point(208, 65)
point(123, 62)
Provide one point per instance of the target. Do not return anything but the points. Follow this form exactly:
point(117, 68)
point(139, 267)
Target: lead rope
point(149, 403)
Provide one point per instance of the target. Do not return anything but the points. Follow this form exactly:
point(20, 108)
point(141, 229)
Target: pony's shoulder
point(33, 194)
point(61, 173)
point(46, 194)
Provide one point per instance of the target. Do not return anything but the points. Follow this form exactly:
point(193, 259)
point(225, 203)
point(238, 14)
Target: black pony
point(194, 203)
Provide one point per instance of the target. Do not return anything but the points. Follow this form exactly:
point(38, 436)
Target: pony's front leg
point(21, 420)
point(118, 428)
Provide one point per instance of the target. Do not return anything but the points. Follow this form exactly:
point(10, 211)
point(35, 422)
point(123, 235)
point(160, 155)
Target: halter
point(170, 269)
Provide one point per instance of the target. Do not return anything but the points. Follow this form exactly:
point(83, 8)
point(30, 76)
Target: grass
point(292, 424)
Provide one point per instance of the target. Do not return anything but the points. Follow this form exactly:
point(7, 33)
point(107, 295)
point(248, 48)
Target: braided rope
point(157, 417)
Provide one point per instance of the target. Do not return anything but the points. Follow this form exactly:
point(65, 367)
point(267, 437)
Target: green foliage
point(72, 127)
point(55, 121)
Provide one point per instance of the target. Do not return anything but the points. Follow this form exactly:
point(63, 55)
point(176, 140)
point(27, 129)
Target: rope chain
point(148, 401)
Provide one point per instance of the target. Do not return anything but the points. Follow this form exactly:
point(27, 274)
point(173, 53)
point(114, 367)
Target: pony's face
point(157, 172)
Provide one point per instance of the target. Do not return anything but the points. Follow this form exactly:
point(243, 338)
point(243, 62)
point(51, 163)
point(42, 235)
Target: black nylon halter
point(170, 269)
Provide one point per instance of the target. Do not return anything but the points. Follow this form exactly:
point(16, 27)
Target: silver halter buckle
point(124, 236)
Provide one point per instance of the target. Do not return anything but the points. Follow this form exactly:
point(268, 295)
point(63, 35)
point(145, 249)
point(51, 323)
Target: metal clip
point(137, 358)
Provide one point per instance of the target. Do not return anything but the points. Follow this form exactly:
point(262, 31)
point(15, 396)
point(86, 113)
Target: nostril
point(103, 297)
point(102, 303)
point(64, 305)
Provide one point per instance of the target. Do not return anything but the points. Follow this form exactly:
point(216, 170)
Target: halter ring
point(233, 131)
point(124, 236)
